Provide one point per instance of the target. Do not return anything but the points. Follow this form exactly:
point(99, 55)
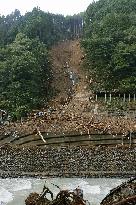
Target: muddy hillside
point(73, 109)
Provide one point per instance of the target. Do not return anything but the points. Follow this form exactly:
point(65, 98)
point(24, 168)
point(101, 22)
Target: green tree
point(25, 74)
point(9, 27)
point(109, 41)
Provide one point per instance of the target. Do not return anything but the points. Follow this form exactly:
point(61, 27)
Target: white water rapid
point(15, 191)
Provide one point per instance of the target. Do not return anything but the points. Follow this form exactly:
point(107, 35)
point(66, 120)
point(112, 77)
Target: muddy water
point(14, 191)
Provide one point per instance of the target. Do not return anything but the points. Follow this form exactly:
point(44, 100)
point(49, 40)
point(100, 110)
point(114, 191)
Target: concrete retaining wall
point(93, 161)
point(69, 139)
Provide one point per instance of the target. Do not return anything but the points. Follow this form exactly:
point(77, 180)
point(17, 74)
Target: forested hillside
point(25, 75)
point(28, 78)
point(48, 28)
point(47, 76)
point(25, 68)
point(110, 44)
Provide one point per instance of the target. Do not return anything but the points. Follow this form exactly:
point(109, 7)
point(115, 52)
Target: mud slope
point(73, 108)
point(69, 78)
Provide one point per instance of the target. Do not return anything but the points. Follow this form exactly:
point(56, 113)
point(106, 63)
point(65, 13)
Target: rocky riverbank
point(76, 161)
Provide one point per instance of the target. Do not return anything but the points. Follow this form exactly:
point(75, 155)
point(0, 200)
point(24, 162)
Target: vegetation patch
point(110, 44)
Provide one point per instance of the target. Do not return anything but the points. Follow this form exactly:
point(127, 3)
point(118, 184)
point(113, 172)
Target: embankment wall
point(82, 161)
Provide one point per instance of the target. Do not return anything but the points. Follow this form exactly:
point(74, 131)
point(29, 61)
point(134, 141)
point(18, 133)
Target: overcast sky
point(65, 7)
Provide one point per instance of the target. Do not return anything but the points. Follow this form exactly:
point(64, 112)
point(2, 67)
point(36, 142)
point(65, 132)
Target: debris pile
point(125, 194)
point(64, 197)
point(32, 199)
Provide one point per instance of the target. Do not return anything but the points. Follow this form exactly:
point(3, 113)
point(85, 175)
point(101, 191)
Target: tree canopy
point(24, 74)
point(49, 28)
point(110, 44)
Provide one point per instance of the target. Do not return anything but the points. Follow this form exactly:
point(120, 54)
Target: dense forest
point(110, 44)
point(25, 68)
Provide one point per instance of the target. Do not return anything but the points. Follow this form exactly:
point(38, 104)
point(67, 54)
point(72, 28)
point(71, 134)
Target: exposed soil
point(66, 60)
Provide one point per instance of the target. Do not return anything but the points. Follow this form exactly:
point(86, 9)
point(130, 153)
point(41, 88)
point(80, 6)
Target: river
point(15, 191)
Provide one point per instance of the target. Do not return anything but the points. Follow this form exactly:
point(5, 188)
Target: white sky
point(65, 7)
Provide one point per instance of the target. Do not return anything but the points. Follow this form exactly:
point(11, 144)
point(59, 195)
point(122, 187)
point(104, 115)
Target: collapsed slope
point(70, 79)
point(73, 108)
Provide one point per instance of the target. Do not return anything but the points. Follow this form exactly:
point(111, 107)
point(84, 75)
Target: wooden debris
point(64, 197)
point(125, 194)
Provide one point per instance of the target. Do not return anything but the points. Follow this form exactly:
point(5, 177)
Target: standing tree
point(25, 74)
point(109, 41)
